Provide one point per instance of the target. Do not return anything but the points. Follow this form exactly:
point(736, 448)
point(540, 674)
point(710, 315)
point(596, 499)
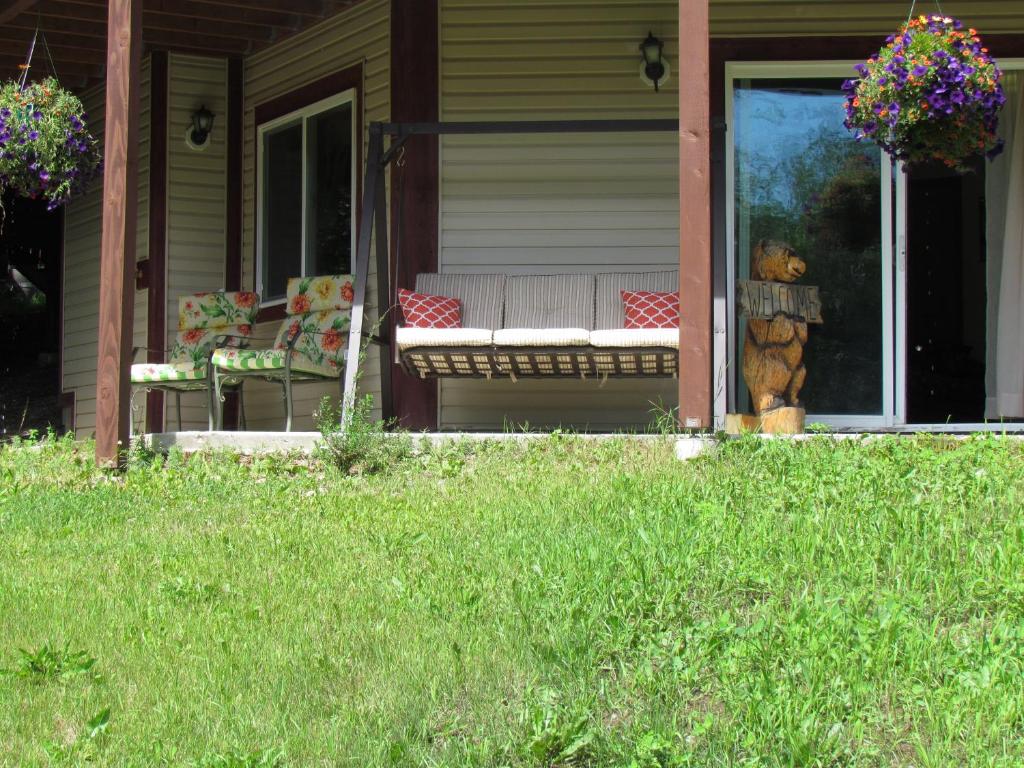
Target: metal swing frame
point(373, 231)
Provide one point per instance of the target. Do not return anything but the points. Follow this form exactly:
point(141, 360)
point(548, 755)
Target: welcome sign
point(763, 300)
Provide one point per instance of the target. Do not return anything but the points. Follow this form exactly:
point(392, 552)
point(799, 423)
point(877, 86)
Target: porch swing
point(514, 326)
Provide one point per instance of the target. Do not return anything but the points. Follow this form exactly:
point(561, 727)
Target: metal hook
point(400, 161)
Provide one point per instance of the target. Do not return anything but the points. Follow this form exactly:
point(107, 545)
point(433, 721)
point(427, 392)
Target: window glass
point(306, 190)
point(803, 179)
point(282, 208)
point(329, 192)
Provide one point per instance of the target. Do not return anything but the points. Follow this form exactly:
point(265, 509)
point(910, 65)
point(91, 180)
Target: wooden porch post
point(415, 96)
point(117, 247)
point(695, 275)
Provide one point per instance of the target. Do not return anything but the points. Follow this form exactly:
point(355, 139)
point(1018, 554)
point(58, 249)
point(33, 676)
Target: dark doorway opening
point(946, 296)
point(30, 305)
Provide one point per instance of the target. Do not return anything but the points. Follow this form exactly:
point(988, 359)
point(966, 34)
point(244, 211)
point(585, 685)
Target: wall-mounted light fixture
point(197, 135)
point(654, 65)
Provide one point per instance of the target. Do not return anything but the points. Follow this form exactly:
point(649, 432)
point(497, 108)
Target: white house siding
point(196, 200)
point(82, 225)
point(556, 204)
point(789, 18)
point(360, 35)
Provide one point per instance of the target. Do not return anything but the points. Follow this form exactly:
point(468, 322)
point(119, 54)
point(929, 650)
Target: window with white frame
point(305, 187)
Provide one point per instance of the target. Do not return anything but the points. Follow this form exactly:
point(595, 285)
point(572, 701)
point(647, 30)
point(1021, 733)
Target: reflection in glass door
point(796, 175)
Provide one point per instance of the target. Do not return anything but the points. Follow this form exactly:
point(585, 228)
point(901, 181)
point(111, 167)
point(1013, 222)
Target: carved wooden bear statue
point(774, 349)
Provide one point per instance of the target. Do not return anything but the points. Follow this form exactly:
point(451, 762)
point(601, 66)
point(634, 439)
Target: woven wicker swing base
point(539, 362)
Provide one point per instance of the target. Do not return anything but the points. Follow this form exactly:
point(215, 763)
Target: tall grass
point(556, 603)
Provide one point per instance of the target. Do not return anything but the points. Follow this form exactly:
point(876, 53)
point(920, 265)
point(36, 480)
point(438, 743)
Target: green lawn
point(566, 603)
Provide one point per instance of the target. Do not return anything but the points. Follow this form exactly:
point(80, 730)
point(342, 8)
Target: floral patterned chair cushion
point(218, 309)
point(319, 350)
point(205, 321)
point(316, 294)
point(319, 312)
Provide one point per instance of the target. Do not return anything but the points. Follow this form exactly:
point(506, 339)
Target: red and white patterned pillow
point(651, 309)
point(421, 310)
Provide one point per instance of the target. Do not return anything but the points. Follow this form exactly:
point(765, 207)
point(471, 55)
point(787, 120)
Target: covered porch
point(436, 90)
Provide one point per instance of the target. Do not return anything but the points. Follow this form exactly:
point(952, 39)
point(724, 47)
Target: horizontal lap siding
point(81, 294)
point(196, 201)
point(522, 204)
point(359, 35)
point(733, 18)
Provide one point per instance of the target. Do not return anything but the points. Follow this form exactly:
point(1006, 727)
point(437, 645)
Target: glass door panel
point(799, 177)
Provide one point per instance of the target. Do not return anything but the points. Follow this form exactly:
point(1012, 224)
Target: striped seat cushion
point(610, 285)
point(268, 361)
point(480, 296)
point(153, 373)
point(549, 301)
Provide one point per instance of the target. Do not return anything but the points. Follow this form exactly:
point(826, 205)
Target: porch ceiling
point(76, 30)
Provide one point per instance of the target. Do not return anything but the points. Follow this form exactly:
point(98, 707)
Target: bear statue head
point(776, 262)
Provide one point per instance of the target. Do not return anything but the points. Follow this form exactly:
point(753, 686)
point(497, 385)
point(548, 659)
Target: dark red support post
point(415, 186)
point(156, 300)
point(117, 246)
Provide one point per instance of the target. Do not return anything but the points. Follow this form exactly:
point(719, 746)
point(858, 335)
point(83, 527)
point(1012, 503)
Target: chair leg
point(216, 404)
point(287, 403)
point(242, 424)
point(210, 409)
point(177, 398)
point(131, 411)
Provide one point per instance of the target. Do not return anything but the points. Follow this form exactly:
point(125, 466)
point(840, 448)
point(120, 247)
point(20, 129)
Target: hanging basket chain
point(53, 66)
point(23, 80)
point(913, 4)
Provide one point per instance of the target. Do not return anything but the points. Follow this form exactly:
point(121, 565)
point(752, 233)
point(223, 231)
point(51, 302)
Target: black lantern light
point(654, 64)
point(202, 124)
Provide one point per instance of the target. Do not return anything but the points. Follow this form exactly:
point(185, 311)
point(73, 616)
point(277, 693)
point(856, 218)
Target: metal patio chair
point(310, 346)
point(206, 321)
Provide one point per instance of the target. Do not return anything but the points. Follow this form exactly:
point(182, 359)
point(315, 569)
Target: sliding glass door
point(796, 175)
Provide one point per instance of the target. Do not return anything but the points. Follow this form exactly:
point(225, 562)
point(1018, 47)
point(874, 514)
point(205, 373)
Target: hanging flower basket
point(932, 93)
point(46, 152)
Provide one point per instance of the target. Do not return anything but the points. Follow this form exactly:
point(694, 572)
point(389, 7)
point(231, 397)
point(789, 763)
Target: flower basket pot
point(46, 151)
point(932, 93)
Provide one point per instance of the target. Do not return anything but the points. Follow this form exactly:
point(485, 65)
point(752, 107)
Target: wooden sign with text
point(763, 301)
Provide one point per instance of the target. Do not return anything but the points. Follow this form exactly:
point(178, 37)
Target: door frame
point(901, 361)
point(891, 182)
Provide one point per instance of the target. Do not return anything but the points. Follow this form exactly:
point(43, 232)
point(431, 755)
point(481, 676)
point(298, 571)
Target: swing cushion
point(549, 301)
point(626, 338)
point(421, 310)
point(610, 285)
point(408, 338)
point(651, 309)
point(480, 296)
point(542, 337)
